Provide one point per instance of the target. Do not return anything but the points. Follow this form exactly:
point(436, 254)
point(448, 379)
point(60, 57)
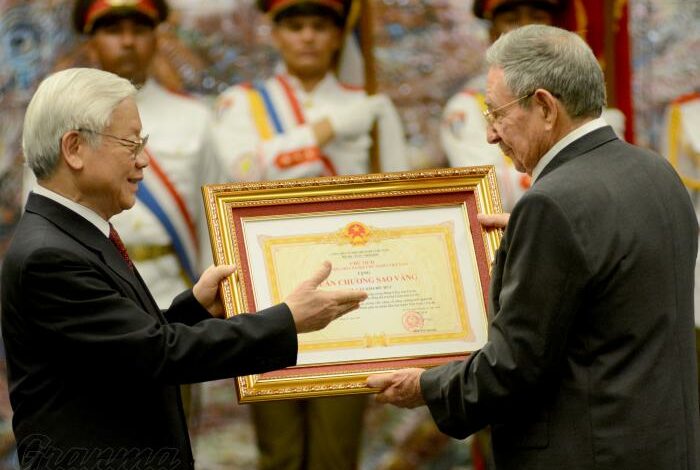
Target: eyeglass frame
point(136, 146)
point(490, 114)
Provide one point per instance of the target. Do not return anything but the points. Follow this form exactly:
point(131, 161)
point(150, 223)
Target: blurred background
point(420, 52)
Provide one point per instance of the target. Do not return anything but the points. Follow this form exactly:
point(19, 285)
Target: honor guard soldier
point(165, 232)
point(304, 122)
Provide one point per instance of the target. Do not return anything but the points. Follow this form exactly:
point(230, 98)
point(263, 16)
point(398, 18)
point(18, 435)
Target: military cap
point(273, 8)
point(485, 9)
point(87, 12)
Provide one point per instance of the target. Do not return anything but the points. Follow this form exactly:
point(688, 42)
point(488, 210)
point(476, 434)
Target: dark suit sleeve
point(538, 284)
point(185, 309)
point(80, 315)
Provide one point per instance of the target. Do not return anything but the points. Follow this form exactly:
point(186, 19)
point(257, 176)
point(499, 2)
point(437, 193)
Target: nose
point(127, 37)
point(307, 33)
point(492, 136)
point(142, 159)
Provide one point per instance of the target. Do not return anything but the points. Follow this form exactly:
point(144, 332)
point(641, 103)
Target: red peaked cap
point(273, 7)
point(485, 9)
point(87, 12)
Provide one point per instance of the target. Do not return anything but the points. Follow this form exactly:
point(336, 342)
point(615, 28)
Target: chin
point(128, 204)
point(133, 75)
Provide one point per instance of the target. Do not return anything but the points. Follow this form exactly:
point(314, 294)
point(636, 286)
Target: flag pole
point(367, 47)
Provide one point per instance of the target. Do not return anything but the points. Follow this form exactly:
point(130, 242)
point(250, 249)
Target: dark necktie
point(117, 241)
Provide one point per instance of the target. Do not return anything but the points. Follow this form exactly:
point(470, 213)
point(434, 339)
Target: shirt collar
point(327, 83)
point(88, 214)
point(149, 86)
point(572, 136)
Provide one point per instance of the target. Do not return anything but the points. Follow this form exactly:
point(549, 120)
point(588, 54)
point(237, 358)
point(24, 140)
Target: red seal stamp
point(412, 321)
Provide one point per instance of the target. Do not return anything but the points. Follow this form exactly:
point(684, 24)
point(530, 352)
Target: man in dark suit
point(590, 361)
point(94, 365)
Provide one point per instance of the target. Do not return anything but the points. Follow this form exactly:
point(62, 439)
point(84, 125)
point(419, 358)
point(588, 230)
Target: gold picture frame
point(410, 239)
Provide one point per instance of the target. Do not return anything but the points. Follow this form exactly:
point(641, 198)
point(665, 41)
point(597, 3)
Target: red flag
point(604, 26)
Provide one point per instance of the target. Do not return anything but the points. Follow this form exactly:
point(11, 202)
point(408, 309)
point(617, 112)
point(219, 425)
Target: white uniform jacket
point(263, 131)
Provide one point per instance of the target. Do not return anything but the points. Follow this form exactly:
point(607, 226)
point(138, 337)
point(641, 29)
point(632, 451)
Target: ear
point(72, 147)
point(549, 107)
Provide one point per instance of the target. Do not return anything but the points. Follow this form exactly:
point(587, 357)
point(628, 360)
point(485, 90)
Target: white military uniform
point(681, 145)
point(182, 160)
point(463, 138)
point(263, 131)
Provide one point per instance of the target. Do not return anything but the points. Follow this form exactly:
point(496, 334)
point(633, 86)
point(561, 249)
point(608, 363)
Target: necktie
point(117, 241)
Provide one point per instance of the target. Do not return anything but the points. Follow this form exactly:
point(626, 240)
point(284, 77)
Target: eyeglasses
point(495, 115)
point(136, 146)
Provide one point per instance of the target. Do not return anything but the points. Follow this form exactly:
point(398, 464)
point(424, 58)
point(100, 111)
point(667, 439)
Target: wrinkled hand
point(313, 309)
point(357, 118)
point(400, 388)
point(206, 290)
point(493, 221)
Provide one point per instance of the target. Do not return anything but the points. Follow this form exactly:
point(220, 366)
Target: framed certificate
point(410, 240)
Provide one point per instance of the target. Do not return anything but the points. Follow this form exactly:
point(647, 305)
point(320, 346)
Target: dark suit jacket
point(590, 361)
point(94, 366)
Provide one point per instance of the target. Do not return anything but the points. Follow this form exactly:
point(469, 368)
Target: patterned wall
point(424, 51)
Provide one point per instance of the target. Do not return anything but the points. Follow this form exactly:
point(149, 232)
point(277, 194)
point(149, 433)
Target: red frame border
point(466, 197)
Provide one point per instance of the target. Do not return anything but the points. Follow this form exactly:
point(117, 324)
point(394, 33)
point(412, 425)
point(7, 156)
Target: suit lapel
point(578, 147)
point(146, 296)
point(77, 227)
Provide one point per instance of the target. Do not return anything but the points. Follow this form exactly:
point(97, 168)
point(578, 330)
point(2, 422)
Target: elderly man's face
point(518, 130)
point(112, 170)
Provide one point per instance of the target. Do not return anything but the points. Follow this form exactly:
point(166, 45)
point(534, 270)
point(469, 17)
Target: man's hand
point(400, 388)
point(313, 309)
point(206, 291)
point(493, 221)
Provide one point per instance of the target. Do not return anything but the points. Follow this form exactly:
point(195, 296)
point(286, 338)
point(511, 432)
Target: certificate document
point(411, 240)
point(423, 285)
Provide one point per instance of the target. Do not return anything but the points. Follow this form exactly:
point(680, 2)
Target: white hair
point(77, 98)
point(539, 56)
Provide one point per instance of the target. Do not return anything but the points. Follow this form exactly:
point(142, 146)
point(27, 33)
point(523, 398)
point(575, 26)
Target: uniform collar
point(148, 88)
point(328, 83)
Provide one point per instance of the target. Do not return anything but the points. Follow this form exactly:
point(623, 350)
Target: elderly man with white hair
point(94, 364)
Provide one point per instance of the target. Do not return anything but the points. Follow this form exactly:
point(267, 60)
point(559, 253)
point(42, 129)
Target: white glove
point(356, 119)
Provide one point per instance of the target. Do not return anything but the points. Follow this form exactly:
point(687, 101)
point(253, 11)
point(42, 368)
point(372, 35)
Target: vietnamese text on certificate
point(417, 265)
